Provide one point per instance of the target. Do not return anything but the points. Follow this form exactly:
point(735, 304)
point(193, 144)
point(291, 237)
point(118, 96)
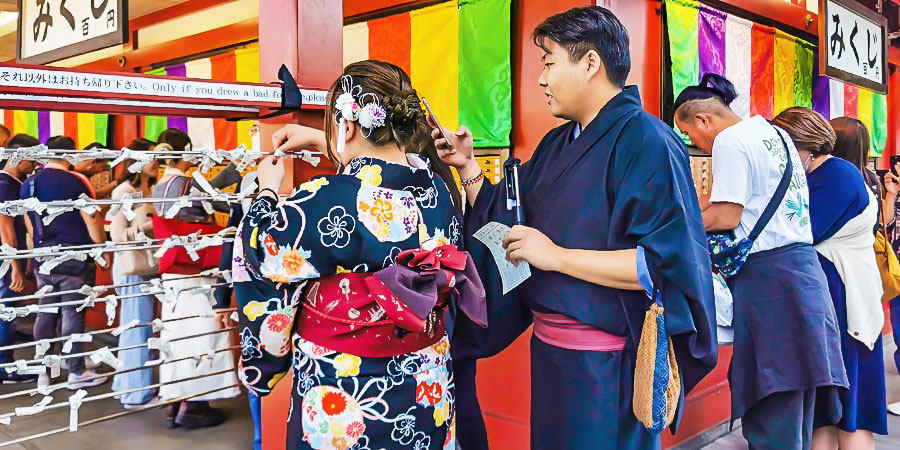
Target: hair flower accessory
point(348, 107)
point(372, 116)
point(353, 105)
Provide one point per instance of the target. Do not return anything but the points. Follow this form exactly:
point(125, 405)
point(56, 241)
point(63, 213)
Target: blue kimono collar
point(624, 102)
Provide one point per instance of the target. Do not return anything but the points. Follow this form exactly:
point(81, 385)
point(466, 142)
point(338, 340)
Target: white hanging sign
point(853, 44)
point(51, 30)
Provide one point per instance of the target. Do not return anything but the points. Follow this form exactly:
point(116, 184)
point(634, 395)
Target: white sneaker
point(43, 380)
point(88, 378)
point(153, 402)
point(894, 408)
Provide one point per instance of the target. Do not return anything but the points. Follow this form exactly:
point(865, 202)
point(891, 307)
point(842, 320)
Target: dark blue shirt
point(52, 185)
point(10, 187)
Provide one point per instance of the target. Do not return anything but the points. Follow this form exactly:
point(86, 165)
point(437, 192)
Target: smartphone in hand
point(894, 160)
point(436, 122)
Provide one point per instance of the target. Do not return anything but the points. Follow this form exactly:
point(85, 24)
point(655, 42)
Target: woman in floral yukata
point(346, 282)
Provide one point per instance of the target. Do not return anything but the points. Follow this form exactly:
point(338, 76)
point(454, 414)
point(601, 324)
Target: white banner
point(26, 77)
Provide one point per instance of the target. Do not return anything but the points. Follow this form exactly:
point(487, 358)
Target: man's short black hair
point(21, 141)
point(580, 30)
point(61, 143)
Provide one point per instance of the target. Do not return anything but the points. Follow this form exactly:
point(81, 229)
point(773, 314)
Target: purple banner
point(821, 95)
point(711, 41)
point(44, 126)
point(179, 123)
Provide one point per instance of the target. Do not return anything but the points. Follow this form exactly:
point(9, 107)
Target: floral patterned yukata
point(303, 260)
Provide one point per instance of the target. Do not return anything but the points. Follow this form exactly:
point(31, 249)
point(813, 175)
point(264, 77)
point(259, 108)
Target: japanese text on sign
point(51, 25)
point(854, 44)
point(22, 77)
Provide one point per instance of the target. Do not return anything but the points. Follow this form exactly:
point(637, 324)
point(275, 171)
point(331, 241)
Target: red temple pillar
point(304, 35)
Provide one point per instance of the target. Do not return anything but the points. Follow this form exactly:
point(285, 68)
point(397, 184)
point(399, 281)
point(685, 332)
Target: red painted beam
point(771, 12)
point(247, 30)
point(359, 7)
point(173, 12)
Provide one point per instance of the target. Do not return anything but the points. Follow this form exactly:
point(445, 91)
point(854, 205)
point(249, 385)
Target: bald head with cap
point(703, 111)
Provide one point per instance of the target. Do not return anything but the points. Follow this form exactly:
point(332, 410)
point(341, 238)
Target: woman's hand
point(892, 183)
point(270, 173)
point(297, 137)
point(460, 152)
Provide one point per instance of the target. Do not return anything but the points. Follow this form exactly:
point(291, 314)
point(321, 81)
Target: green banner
point(101, 127)
point(485, 73)
point(879, 124)
point(803, 72)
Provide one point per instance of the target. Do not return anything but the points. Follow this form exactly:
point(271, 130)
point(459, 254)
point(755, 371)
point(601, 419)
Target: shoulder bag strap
point(775, 202)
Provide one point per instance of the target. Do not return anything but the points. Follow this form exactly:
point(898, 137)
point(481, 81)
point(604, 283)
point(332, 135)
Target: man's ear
point(593, 64)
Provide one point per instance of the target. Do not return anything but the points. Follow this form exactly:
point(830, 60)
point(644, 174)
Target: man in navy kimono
point(610, 211)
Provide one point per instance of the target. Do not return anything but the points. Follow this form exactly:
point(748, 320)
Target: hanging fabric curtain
point(771, 70)
point(84, 128)
point(237, 65)
point(458, 57)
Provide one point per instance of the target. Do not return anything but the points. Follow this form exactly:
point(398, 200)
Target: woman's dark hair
point(21, 141)
point(61, 143)
point(580, 30)
point(808, 129)
point(179, 140)
point(144, 145)
point(711, 86)
point(852, 142)
point(405, 123)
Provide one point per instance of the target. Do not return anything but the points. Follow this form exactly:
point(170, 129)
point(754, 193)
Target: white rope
point(48, 290)
point(47, 390)
point(206, 158)
point(115, 416)
point(152, 342)
point(194, 242)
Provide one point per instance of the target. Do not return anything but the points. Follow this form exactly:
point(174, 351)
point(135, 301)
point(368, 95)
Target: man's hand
point(530, 245)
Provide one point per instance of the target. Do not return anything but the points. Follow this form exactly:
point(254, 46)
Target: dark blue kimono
point(358, 221)
point(837, 194)
point(623, 182)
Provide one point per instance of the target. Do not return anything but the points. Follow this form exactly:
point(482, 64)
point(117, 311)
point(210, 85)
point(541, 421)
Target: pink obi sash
point(565, 332)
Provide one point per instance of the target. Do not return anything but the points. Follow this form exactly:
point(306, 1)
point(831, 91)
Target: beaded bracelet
point(274, 194)
point(473, 180)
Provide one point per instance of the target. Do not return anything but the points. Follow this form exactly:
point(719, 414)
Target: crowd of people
point(370, 286)
point(184, 311)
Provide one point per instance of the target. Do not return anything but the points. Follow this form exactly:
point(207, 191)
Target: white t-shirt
point(748, 163)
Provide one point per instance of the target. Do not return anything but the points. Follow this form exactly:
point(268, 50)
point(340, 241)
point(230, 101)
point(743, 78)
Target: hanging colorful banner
point(237, 65)
point(458, 57)
point(771, 70)
point(84, 128)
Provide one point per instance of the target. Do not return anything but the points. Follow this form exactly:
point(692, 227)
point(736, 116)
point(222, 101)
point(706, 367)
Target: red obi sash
point(394, 311)
point(342, 313)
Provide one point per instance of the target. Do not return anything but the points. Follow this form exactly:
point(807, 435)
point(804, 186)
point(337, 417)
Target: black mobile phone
point(894, 160)
point(880, 173)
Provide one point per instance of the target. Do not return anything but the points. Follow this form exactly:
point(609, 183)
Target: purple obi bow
point(420, 276)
